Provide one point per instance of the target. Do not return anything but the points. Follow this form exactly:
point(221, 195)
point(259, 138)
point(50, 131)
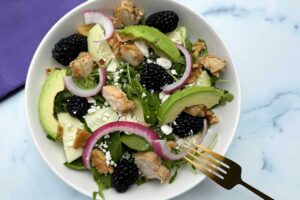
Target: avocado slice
point(177, 102)
point(53, 85)
point(160, 42)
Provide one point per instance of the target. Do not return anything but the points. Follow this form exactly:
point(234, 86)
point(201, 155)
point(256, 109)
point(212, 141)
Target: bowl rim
point(45, 38)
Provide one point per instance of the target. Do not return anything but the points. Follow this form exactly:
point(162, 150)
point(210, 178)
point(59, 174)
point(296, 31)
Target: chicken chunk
point(83, 65)
point(131, 54)
point(126, 14)
point(197, 110)
point(213, 64)
point(212, 117)
point(116, 41)
point(81, 138)
point(201, 110)
point(99, 161)
point(151, 166)
point(196, 72)
point(198, 47)
point(117, 99)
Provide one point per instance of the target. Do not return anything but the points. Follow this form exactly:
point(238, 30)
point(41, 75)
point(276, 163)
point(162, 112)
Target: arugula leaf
point(150, 101)
point(88, 82)
point(103, 182)
point(189, 44)
point(60, 102)
point(141, 180)
point(227, 97)
point(76, 164)
point(135, 142)
point(172, 179)
point(115, 146)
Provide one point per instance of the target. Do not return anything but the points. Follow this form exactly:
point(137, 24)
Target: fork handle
point(256, 191)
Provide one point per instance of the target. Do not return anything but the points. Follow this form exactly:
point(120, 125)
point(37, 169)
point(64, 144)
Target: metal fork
point(222, 170)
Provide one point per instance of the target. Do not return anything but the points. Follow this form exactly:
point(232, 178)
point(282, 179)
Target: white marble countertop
point(264, 39)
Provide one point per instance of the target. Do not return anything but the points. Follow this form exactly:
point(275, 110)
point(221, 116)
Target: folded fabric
point(23, 25)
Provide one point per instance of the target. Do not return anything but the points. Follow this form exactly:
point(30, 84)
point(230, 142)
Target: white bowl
point(53, 153)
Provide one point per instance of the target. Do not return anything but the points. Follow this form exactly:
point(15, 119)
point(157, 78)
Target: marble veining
point(263, 38)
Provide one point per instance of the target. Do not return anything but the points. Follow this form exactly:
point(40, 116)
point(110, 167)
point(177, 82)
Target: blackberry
point(67, 49)
point(165, 21)
point(154, 77)
point(77, 106)
point(187, 125)
point(125, 174)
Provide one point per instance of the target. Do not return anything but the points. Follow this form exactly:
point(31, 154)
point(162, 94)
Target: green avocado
point(53, 85)
point(160, 42)
point(177, 102)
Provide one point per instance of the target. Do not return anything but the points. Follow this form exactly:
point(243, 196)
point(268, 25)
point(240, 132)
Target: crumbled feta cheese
point(163, 96)
point(106, 136)
point(92, 101)
point(112, 67)
point(91, 110)
point(106, 103)
point(173, 71)
point(174, 123)
point(144, 95)
point(149, 61)
point(165, 63)
point(167, 130)
point(143, 47)
point(108, 158)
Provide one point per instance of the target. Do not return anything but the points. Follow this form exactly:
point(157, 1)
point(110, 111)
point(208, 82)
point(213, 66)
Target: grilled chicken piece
point(117, 99)
point(151, 166)
point(99, 161)
point(202, 111)
point(196, 72)
point(83, 65)
point(198, 47)
point(213, 64)
point(131, 54)
point(126, 14)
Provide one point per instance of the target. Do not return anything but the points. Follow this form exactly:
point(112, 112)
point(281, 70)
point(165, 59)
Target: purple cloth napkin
point(23, 24)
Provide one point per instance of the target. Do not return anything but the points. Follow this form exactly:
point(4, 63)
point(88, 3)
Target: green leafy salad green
point(131, 103)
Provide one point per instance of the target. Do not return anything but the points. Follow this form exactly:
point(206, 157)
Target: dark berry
point(67, 49)
point(125, 174)
point(77, 106)
point(187, 125)
point(154, 77)
point(165, 21)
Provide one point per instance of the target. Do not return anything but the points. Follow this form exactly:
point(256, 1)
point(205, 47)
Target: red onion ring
point(161, 148)
point(188, 69)
point(74, 89)
point(97, 17)
point(124, 126)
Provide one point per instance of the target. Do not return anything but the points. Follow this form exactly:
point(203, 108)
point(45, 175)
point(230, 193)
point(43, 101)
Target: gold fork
point(222, 170)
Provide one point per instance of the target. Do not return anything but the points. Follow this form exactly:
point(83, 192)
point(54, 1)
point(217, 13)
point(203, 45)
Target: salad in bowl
point(130, 93)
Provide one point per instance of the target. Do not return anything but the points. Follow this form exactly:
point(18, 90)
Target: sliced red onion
point(97, 17)
point(74, 89)
point(188, 69)
point(161, 148)
point(123, 126)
